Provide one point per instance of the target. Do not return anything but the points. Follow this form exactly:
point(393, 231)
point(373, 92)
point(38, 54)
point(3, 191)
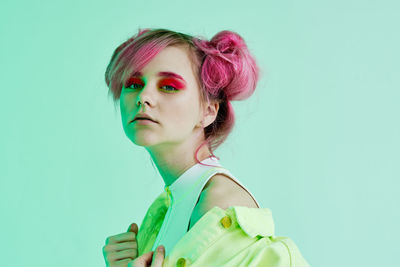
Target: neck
point(172, 160)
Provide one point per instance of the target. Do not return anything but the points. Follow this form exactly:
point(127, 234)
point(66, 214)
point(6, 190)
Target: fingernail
point(160, 248)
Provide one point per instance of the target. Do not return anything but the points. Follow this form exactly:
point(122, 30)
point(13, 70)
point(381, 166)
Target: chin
point(143, 139)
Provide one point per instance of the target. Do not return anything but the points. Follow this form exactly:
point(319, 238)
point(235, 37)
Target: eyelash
point(134, 81)
point(174, 89)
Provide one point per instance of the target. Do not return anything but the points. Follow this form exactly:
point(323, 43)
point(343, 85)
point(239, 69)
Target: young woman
point(174, 92)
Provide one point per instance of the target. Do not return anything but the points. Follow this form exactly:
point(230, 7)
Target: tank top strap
point(198, 187)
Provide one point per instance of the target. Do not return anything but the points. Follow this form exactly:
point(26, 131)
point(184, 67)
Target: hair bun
point(228, 66)
point(227, 42)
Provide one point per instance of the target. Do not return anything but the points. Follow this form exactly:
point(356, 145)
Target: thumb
point(133, 228)
point(144, 260)
point(159, 257)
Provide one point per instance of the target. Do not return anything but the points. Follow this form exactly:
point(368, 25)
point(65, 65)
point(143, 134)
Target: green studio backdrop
point(317, 143)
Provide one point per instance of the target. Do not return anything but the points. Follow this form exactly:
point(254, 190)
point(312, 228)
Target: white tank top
point(183, 194)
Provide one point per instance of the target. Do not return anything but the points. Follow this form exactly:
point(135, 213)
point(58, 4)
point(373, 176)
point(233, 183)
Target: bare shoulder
point(223, 192)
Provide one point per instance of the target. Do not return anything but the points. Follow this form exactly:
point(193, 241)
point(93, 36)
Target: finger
point(120, 246)
point(122, 263)
point(133, 228)
point(128, 236)
point(158, 261)
point(143, 260)
point(120, 255)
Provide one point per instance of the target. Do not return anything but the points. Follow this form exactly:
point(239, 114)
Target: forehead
point(170, 59)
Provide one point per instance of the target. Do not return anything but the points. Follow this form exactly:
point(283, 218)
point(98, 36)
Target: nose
point(145, 96)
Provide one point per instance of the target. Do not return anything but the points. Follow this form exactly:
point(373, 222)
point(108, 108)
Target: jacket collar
point(253, 221)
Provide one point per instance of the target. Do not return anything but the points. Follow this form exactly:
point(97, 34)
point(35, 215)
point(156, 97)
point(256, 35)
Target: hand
point(146, 259)
point(121, 249)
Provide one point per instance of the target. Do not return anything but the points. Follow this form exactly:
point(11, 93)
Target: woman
point(174, 92)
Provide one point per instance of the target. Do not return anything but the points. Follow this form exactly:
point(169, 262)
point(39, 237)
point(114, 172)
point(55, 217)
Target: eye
point(173, 88)
point(133, 82)
point(134, 85)
point(138, 85)
point(171, 83)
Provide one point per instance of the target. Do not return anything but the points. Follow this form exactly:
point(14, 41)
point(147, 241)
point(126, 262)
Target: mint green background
point(318, 142)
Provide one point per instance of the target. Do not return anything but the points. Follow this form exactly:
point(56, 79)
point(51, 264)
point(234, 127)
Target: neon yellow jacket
point(237, 236)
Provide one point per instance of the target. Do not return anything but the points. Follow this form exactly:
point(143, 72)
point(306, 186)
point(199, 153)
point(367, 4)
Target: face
point(172, 102)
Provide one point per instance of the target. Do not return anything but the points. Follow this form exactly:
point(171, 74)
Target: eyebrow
point(162, 74)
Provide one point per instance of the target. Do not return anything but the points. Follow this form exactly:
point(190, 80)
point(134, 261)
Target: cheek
point(122, 107)
point(126, 106)
point(183, 117)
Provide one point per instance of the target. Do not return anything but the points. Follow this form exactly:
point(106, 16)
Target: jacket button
point(226, 222)
point(181, 262)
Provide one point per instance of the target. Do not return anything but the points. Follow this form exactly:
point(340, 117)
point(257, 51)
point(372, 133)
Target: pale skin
point(181, 117)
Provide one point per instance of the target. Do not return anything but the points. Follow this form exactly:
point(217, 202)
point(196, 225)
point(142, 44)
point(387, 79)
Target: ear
point(209, 114)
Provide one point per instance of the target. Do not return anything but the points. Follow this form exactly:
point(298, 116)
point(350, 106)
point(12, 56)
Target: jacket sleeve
point(236, 237)
point(275, 252)
point(296, 258)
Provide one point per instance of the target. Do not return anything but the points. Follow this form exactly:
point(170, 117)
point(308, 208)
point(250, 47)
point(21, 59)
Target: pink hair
point(226, 71)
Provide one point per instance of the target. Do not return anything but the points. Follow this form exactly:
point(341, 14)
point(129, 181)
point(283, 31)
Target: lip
point(143, 121)
point(143, 116)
